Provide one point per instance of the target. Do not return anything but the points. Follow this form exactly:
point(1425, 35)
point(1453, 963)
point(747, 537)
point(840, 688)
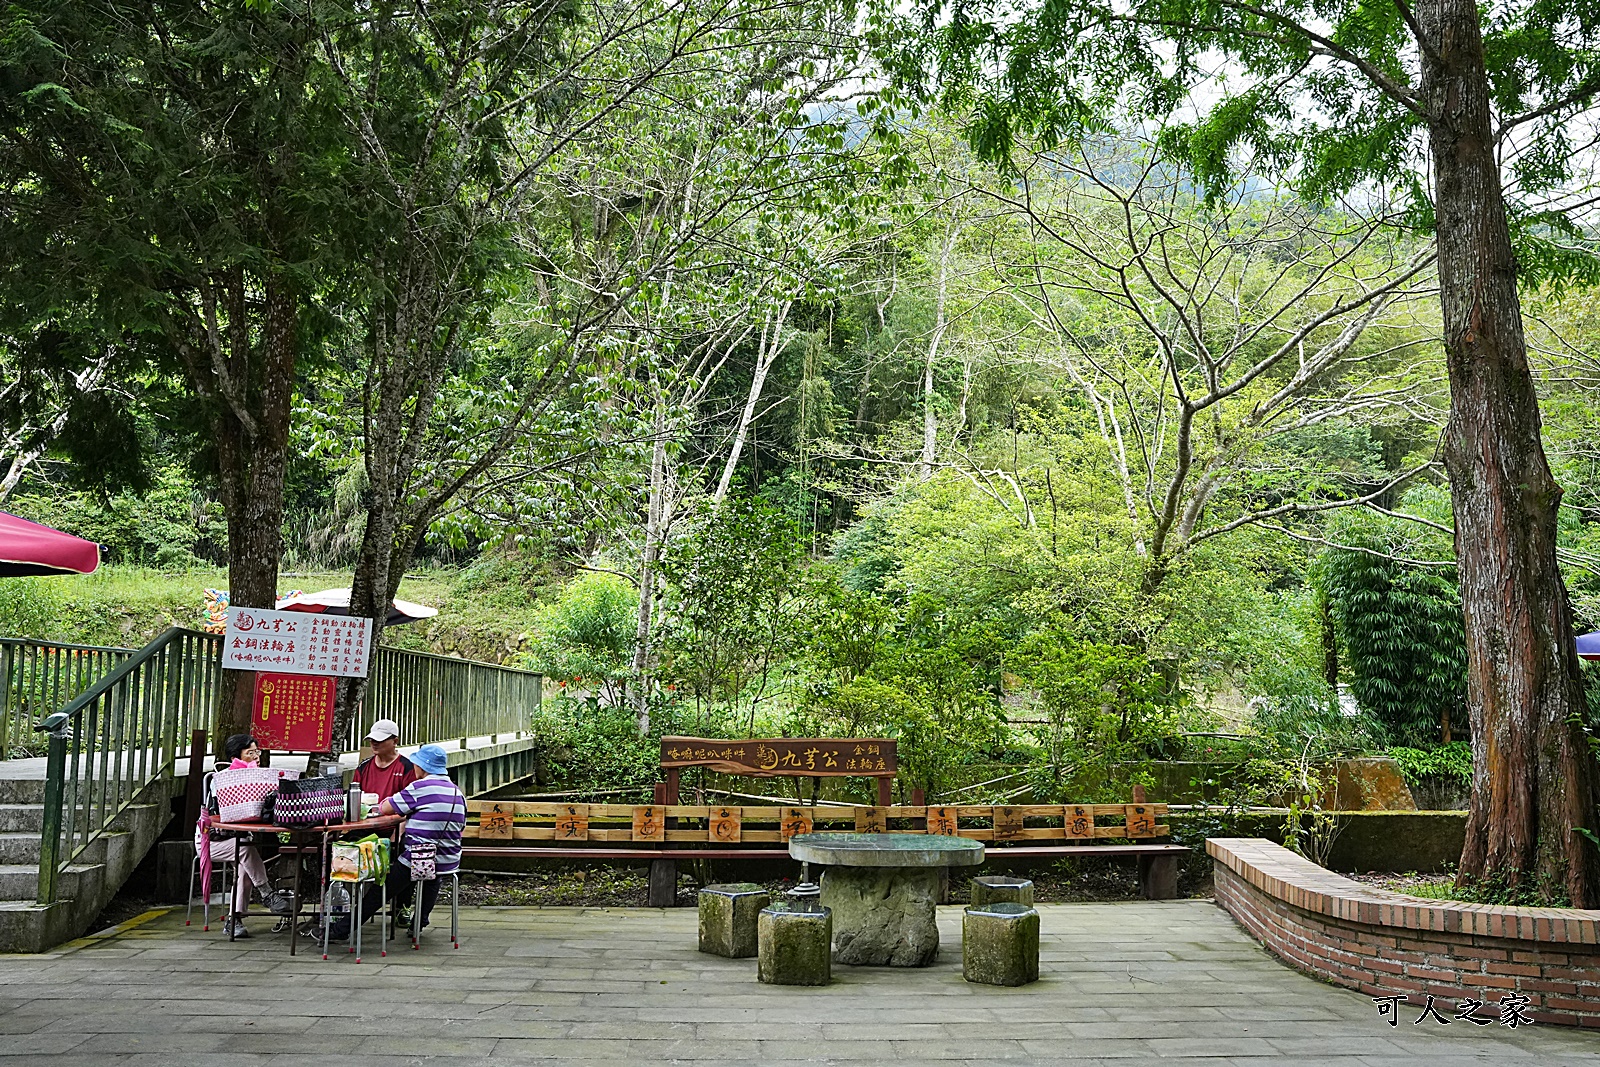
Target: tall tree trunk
point(930, 424)
point(1534, 775)
point(251, 463)
point(765, 355)
point(654, 527)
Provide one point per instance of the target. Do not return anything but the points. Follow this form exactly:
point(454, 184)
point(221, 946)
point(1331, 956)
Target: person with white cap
point(386, 771)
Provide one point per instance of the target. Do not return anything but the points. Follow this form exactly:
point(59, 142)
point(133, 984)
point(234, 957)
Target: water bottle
point(352, 804)
point(338, 899)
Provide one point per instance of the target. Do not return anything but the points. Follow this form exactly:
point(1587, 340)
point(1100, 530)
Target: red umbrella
point(28, 548)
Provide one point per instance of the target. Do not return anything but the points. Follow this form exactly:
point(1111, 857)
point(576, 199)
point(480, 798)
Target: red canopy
point(28, 548)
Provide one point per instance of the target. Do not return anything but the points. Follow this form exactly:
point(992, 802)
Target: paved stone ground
point(1175, 983)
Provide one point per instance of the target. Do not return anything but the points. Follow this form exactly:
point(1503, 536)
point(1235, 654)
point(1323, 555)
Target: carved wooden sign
point(794, 821)
point(1079, 822)
point(1007, 823)
point(572, 822)
point(725, 825)
point(796, 756)
point(942, 821)
point(871, 821)
point(498, 821)
point(1141, 820)
point(649, 823)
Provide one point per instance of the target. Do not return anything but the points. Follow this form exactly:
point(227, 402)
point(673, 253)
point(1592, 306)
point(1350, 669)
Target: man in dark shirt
point(385, 772)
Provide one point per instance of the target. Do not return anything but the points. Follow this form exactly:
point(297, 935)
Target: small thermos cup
point(352, 806)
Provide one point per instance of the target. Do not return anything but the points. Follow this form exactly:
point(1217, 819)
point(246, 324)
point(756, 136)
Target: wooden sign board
point(942, 821)
point(649, 823)
point(1007, 823)
point(1141, 820)
point(794, 821)
point(1079, 822)
point(725, 825)
point(871, 821)
point(497, 821)
point(572, 822)
point(795, 756)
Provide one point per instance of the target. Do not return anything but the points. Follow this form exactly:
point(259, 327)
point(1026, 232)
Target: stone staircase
point(84, 888)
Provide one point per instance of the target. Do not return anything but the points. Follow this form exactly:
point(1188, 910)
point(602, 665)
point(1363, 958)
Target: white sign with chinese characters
point(296, 642)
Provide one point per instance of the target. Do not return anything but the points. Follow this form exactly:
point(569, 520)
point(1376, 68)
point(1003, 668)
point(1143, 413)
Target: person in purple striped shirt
point(436, 813)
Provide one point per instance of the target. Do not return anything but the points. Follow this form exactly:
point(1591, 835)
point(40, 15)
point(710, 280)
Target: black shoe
point(278, 903)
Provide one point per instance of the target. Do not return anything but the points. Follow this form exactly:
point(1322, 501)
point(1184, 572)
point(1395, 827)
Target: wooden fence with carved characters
point(728, 826)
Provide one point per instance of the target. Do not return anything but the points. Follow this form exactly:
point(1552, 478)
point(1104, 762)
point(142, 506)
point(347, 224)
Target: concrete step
point(19, 848)
point(20, 882)
point(21, 818)
point(24, 848)
point(21, 790)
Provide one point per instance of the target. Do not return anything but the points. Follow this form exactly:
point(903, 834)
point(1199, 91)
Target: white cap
point(383, 729)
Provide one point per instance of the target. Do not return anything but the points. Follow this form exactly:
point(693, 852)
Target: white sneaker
point(233, 926)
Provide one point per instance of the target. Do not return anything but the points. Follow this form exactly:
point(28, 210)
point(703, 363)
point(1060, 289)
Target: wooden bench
point(666, 833)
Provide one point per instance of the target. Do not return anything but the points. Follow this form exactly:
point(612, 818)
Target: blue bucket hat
point(432, 759)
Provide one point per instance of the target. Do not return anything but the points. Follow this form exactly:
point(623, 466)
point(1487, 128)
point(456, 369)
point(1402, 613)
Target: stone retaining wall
point(1386, 943)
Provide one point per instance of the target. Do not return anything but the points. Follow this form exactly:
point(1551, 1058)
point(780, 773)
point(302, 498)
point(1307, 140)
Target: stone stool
point(796, 947)
point(728, 918)
point(999, 889)
point(1000, 944)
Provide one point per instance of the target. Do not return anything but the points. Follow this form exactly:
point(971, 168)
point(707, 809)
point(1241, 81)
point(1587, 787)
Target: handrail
point(38, 677)
point(122, 734)
point(129, 727)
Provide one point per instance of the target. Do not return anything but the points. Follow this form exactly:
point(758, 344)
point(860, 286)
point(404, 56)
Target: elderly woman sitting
point(242, 751)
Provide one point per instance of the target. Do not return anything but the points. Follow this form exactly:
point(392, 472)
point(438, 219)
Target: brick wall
point(1385, 943)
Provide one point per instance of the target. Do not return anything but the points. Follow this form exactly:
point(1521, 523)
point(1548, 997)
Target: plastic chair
point(455, 910)
point(227, 891)
point(194, 867)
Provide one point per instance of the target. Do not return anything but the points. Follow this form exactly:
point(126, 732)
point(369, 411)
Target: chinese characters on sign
point(498, 821)
point(1513, 1010)
point(799, 756)
point(293, 712)
point(296, 642)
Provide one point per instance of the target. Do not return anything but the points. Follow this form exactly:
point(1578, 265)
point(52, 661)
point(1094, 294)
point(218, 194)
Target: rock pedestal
point(883, 916)
point(728, 917)
point(999, 889)
point(794, 946)
point(1000, 944)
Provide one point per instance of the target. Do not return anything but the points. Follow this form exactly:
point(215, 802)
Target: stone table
point(882, 889)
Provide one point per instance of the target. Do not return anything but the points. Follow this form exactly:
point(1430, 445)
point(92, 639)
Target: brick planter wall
point(1386, 943)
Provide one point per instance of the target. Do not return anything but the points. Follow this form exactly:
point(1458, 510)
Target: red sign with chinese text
point(293, 712)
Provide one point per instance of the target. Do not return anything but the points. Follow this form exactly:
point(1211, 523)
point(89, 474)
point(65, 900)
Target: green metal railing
point(37, 678)
point(125, 730)
point(439, 698)
point(123, 733)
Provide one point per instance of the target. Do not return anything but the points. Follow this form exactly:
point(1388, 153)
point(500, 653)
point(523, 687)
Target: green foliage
point(29, 607)
point(585, 637)
point(1452, 762)
point(734, 600)
point(1107, 709)
point(172, 526)
point(1401, 630)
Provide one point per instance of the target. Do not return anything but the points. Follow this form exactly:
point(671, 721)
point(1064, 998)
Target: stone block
point(1001, 889)
point(1000, 944)
point(794, 946)
point(883, 916)
point(728, 918)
